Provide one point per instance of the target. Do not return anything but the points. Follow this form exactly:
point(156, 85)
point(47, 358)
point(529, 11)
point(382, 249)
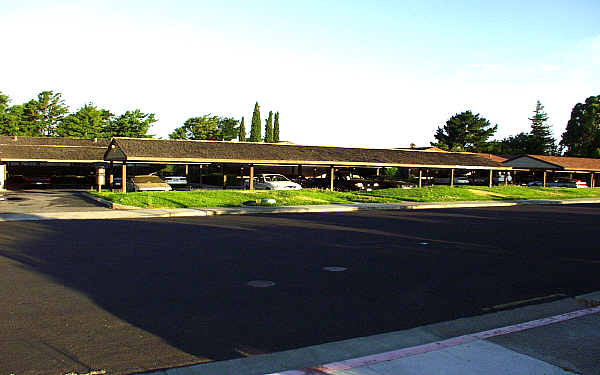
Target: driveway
point(46, 200)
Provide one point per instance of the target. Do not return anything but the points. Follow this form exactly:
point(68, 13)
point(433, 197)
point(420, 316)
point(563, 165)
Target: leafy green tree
point(8, 125)
point(541, 135)
point(269, 128)
point(276, 128)
point(41, 116)
point(134, 124)
point(228, 129)
point(464, 132)
point(242, 131)
point(205, 127)
point(582, 136)
point(514, 145)
point(255, 135)
point(87, 122)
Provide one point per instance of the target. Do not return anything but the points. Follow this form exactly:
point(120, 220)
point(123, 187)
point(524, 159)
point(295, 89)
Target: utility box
point(100, 177)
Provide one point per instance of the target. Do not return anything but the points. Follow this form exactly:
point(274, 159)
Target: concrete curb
point(590, 299)
point(127, 212)
point(109, 204)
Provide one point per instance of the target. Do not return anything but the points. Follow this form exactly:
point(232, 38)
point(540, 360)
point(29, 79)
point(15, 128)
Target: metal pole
point(491, 177)
point(420, 177)
point(452, 177)
point(251, 177)
point(544, 178)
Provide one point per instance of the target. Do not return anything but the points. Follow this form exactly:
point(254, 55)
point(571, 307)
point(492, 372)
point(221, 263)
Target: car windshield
point(276, 177)
point(147, 180)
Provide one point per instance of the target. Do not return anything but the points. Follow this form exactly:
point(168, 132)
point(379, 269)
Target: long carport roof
point(52, 149)
point(186, 151)
point(559, 163)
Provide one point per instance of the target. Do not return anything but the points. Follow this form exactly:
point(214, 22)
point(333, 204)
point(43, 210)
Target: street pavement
point(135, 295)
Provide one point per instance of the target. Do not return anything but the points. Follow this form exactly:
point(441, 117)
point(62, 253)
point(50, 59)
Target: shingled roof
point(152, 150)
point(52, 149)
point(566, 163)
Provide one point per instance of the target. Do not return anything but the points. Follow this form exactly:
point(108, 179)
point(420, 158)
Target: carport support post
point(592, 180)
point(420, 178)
point(452, 177)
point(300, 174)
point(491, 177)
point(251, 177)
point(110, 175)
point(201, 173)
point(545, 173)
point(506, 178)
point(2, 176)
point(124, 177)
point(331, 177)
point(224, 176)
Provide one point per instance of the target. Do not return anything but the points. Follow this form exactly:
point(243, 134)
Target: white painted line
point(330, 368)
point(334, 269)
point(260, 283)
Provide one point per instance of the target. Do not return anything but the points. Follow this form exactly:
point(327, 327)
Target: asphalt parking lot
point(135, 295)
point(46, 200)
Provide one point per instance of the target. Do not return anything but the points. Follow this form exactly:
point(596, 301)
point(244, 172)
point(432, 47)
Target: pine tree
point(542, 141)
point(464, 132)
point(276, 128)
point(242, 133)
point(255, 135)
point(269, 128)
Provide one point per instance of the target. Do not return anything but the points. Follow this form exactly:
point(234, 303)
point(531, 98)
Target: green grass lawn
point(231, 198)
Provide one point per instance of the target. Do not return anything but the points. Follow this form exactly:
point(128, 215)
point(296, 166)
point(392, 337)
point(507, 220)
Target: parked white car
point(147, 183)
point(176, 180)
point(272, 182)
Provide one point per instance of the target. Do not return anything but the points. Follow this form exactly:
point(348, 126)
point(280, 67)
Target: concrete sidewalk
point(125, 212)
point(561, 337)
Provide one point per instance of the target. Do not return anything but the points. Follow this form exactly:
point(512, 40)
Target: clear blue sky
point(369, 73)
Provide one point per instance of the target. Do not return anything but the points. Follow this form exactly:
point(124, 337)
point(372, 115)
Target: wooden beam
point(251, 177)
point(124, 177)
point(331, 177)
point(201, 174)
point(224, 176)
point(491, 178)
point(545, 173)
point(452, 177)
point(420, 177)
point(592, 180)
point(111, 178)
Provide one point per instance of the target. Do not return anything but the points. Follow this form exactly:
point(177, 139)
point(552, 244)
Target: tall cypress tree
point(242, 134)
point(276, 128)
point(269, 128)
point(542, 141)
point(255, 135)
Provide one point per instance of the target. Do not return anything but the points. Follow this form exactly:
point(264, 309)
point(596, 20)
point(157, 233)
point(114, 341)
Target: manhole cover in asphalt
point(260, 283)
point(335, 269)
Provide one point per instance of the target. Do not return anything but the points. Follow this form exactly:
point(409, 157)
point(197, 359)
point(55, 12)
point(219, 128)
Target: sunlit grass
point(231, 198)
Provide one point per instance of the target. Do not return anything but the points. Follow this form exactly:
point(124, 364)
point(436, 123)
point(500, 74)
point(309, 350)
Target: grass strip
point(234, 198)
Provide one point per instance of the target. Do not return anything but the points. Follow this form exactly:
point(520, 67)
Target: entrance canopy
point(134, 150)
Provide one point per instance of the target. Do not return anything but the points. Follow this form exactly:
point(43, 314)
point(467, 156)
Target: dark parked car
point(342, 182)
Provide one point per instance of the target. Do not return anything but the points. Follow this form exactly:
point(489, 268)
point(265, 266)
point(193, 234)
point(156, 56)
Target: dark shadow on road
point(184, 279)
